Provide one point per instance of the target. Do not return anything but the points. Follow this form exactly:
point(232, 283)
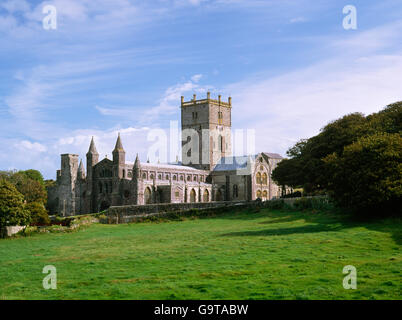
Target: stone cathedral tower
point(206, 131)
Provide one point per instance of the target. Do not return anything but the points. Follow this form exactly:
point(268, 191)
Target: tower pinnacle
point(119, 145)
point(92, 147)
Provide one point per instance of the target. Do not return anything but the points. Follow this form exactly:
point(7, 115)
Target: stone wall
point(125, 214)
point(10, 230)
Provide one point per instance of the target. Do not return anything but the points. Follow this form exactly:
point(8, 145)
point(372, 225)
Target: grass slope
point(244, 255)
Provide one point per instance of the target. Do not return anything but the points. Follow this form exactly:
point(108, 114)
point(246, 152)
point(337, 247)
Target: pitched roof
point(170, 166)
point(234, 163)
point(240, 162)
point(273, 155)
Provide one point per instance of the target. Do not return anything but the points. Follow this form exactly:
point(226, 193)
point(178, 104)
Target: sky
point(115, 66)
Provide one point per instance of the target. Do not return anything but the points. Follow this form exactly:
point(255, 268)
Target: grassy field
point(243, 255)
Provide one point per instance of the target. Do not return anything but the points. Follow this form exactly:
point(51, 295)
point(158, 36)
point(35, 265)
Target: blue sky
point(122, 65)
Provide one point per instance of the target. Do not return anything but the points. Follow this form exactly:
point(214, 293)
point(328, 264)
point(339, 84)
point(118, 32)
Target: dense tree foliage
point(368, 175)
point(38, 212)
point(30, 185)
point(34, 175)
point(318, 164)
point(12, 210)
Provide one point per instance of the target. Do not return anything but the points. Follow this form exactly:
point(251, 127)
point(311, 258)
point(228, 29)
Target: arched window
point(265, 194)
point(235, 191)
point(188, 178)
point(195, 178)
point(221, 143)
point(160, 177)
point(144, 175)
point(181, 178)
point(258, 177)
point(174, 178)
point(167, 177)
point(259, 194)
point(205, 197)
point(264, 178)
point(148, 195)
point(192, 195)
point(151, 176)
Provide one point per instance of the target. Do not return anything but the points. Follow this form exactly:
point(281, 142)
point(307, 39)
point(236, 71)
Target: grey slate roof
point(273, 155)
point(234, 163)
point(240, 162)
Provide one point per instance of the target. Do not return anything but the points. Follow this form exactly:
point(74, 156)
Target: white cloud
point(297, 105)
point(31, 146)
point(16, 5)
point(167, 106)
point(298, 20)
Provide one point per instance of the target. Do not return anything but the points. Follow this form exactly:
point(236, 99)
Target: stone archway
point(193, 195)
point(205, 196)
point(147, 196)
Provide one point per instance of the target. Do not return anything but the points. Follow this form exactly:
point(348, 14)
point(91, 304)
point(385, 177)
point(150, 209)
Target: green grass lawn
point(244, 255)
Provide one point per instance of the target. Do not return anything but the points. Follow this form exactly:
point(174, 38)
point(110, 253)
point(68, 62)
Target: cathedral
point(208, 171)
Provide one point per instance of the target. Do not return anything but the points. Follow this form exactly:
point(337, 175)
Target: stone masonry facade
point(208, 171)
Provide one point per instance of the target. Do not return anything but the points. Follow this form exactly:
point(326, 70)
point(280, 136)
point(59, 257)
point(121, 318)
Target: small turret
point(92, 159)
point(136, 167)
point(81, 172)
point(119, 158)
point(137, 162)
point(119, 146)
point(92, 147)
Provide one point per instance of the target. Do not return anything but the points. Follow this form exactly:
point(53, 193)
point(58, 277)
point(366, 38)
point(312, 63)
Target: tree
point(34, 175)
point(32, 190)
point(387, 120)
point(38, 213)
point(367, 176)
point(12, 211)
point(288, 173)
point(306, 167)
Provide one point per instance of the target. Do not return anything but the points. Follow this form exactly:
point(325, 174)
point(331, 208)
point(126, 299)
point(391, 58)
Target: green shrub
point(316, 203)
point(276, 204)
point(38, 213)
point(12, 211)
point(367, 177)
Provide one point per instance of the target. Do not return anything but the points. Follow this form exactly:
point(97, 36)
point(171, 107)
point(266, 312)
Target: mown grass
point(242, 255)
